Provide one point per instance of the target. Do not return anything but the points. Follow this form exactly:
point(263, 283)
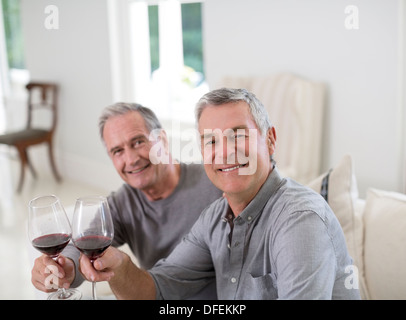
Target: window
point(13, 75)
point(176, 78)
point(3, 68)
point(164, 65)
point(192, 36)
point(13, 34)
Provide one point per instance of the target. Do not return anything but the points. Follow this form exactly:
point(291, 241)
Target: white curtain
point(4, 82)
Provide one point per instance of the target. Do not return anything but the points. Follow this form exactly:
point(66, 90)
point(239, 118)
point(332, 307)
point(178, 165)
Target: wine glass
point(92, 228)
point(49, 231)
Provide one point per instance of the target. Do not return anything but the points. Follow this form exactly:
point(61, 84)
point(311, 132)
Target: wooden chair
point(40, 96)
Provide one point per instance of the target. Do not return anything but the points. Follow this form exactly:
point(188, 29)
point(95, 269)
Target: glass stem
point(63, 294)
point(94, 291)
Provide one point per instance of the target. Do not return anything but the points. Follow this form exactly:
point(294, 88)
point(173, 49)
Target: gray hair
point(121, 108)
point(226, 95)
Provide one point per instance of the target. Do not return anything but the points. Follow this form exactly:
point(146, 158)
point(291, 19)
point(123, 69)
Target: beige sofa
point(375, 230)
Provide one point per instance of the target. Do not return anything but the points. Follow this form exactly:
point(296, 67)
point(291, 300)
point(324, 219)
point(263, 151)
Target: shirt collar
point(255, 207)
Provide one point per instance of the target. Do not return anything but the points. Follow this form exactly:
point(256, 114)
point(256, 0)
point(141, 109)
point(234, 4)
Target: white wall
point(241, 37)
point(77, 57)
point(309, 38)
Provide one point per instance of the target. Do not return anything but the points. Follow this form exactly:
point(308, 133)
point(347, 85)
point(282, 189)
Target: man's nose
point(225, 153)
point(131, 157)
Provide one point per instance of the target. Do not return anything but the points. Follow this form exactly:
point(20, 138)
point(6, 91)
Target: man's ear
point(159, 152)
point(165, 140)
point(159, 135)
point(271, 137)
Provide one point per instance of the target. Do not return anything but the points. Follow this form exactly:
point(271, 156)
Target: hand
point(104, 267)
point(47, 275)
point(124, 277)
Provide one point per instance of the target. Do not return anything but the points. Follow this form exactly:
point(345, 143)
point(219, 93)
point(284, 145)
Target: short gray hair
point(226, 95)
point(121, 108)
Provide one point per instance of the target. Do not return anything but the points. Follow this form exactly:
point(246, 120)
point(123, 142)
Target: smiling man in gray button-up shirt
point(268, 238)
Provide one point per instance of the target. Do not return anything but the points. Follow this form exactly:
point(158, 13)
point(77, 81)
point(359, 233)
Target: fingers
point(69, 270)
point(38, 281)
point(111, 259)
point(103, 268)
point(48, 276)
point(88, 270)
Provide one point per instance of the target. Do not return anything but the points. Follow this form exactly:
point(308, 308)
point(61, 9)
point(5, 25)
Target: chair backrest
point(42, 96)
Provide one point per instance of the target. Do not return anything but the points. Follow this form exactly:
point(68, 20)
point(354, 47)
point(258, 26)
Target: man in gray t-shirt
point(159, 202)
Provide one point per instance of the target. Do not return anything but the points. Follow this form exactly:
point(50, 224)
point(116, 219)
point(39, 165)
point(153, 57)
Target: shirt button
point(233, 280)
point(249, 218)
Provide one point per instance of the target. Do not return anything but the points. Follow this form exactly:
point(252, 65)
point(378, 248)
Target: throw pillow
point(341, 192)
point(385, 244)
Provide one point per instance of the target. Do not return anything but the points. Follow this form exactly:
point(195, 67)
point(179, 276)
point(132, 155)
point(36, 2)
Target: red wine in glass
point(92, 228)
point(49, 231)
point(51, 244)
point(93, 246)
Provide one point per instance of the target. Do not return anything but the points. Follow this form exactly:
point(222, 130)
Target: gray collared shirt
point(286, 244)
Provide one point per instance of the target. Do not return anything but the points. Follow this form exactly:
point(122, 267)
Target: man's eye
point(138, 143)
point(116, 152)
point(210, 142)
point(236, 137)
point(240, 136)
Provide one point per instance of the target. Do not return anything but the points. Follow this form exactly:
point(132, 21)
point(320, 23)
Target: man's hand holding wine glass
point(92, 229)
point(102, 269)
point(46, 269)
point(126, 280)
point(49, 231)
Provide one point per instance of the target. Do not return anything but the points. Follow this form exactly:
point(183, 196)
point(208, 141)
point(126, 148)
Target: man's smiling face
point(127, 141)
point(224, 165)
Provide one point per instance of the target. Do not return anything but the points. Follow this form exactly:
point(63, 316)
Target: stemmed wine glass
point(49, 231)
point(92, 228)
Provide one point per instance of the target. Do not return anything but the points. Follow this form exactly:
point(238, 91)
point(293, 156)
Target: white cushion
point(342, 196)
point(385, 244)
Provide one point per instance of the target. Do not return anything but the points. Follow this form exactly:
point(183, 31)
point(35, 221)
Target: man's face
point(236, 155)
point(127, 141)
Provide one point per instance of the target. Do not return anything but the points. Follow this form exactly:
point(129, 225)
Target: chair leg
point(52, 161)
point(34, 173)
point(23, 163)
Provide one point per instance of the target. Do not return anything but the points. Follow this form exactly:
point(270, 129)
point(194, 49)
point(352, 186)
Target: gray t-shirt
point(152, 229)
point(286, 244)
